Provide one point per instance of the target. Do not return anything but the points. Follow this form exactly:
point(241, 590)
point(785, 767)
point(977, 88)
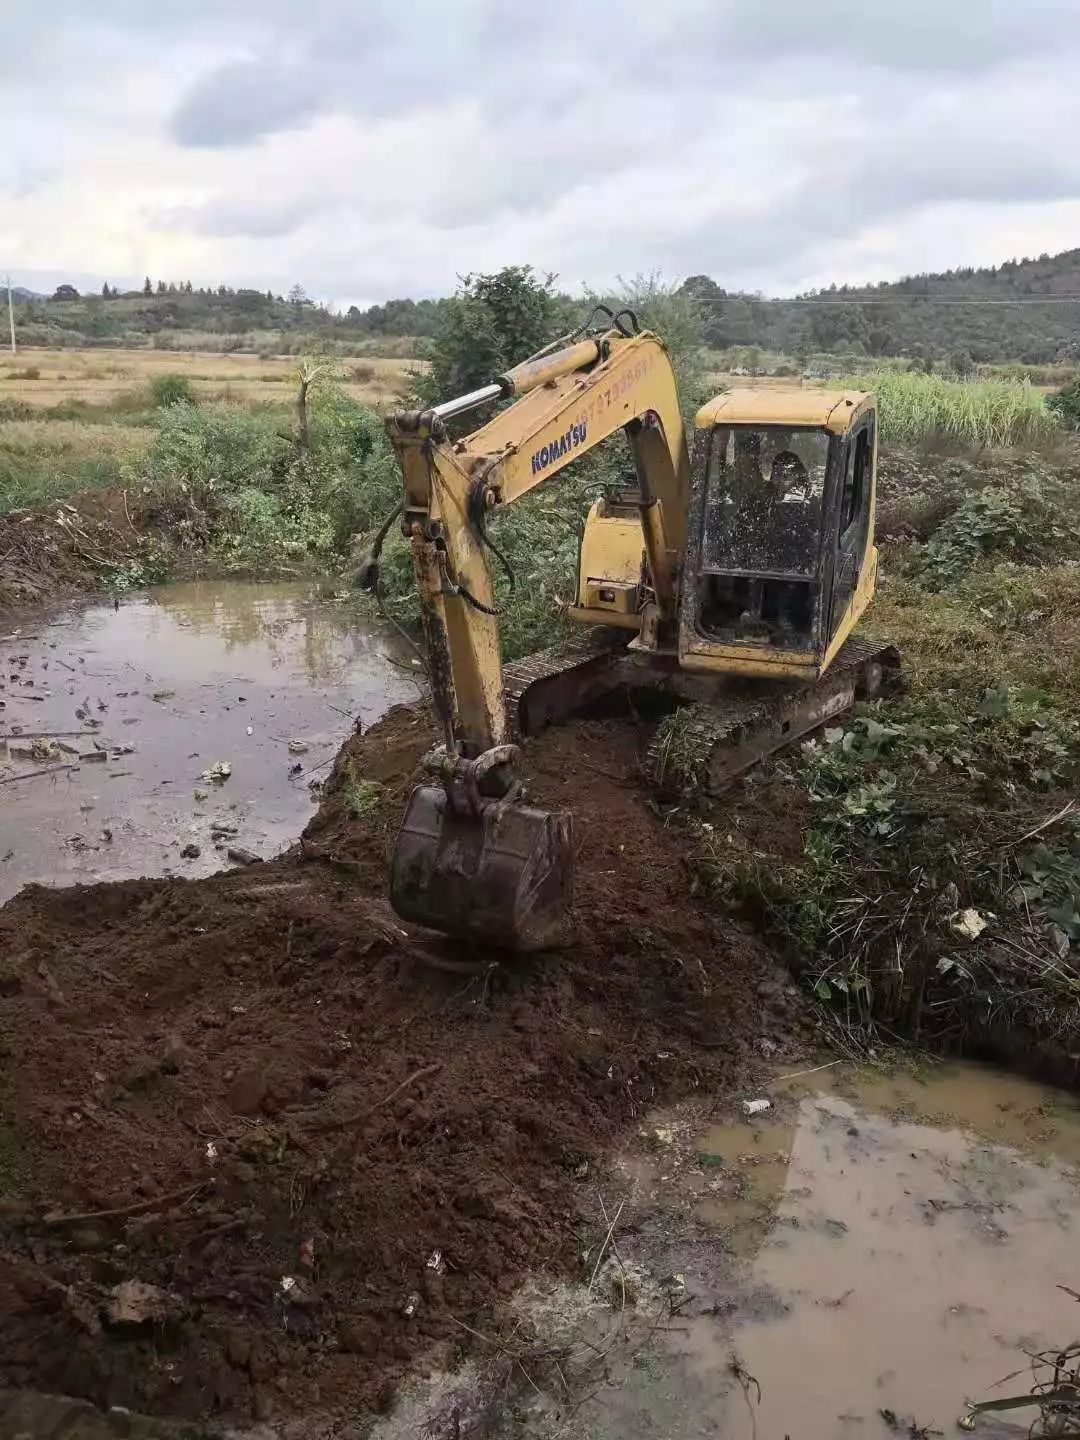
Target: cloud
point(241, 101)
point(384, 148)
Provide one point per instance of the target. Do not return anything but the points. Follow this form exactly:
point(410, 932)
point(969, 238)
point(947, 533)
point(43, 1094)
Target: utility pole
point(10, 315)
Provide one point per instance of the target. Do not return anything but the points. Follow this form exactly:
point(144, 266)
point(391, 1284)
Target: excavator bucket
point(503, 875)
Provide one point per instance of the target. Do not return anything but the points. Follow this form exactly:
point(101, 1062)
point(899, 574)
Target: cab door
point(853, 519)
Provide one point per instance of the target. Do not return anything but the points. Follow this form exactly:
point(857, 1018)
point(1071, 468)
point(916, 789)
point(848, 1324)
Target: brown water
point(870, 1244)
point(223, 658)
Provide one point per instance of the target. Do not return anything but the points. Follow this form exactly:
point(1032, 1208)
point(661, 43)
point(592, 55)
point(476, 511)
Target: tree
point(962, 363)
point(147, 288)
point(298, 295)
point(492, 323)
point(839, 327)
point(65, 292)
point(880, 341)
point(105, 291)
point(161, 287)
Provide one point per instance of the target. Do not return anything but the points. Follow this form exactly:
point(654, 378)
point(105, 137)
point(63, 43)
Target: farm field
point(46, 378)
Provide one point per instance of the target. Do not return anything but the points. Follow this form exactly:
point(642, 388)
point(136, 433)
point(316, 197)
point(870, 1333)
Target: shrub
point(171, 389)
point(260, 531)
point(1065, 404)
point(203, 452)
point(1028, 521)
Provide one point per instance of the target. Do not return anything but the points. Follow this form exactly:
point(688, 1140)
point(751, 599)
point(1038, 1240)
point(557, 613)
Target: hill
point(1024, 310)
point(1021, 310)
point(180, 317)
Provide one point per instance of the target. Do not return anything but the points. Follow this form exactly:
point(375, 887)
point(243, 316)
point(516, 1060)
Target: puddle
point(223, 658)
point(871, 1244)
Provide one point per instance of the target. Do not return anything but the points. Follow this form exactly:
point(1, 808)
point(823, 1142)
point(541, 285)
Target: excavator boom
point(471, 858)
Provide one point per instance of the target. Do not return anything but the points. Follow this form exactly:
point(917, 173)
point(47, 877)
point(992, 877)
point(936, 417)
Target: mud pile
point(65, 548)
point(326, 1154)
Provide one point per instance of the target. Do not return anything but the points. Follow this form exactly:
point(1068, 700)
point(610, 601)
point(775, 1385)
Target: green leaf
point(995, 703)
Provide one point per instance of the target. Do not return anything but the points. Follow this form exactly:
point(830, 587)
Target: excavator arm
point(568, 402)
point(471, 858)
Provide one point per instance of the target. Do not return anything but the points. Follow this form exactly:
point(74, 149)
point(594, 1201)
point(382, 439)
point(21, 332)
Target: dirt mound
point(64, 548)
point(326, 1157)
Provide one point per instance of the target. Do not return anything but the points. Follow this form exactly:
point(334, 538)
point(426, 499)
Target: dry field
point(101, 377)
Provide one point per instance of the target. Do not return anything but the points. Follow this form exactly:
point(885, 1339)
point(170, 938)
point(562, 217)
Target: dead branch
point(326, 1127)
point(29, 774)
point(140, 1207)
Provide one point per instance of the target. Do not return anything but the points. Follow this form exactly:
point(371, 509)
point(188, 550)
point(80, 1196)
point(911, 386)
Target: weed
point(151, 568)
point(171, 389)
point(363, 798)
point(934, 883)
point(1026, 522)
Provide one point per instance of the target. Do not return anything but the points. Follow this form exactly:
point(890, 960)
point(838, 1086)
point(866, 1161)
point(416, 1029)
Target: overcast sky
point(370, 148)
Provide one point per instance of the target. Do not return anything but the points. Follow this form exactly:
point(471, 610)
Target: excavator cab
point(780, 558)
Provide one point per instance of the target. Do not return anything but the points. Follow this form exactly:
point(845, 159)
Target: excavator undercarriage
point(719, 732)
point(729, 588)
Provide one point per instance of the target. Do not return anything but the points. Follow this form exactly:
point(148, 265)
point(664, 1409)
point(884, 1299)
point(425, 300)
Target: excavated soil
point(329, 1155)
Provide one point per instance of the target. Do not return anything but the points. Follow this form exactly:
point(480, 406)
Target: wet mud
point(321, 1160)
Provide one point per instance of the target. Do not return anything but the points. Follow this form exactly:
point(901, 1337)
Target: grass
point(42, 461)
point(968, 415)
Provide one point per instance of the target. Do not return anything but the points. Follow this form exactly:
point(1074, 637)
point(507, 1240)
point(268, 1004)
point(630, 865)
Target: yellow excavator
point(732, 583)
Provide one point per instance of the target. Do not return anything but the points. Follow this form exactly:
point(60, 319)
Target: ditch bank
point(68, 549)
point(263, 1151)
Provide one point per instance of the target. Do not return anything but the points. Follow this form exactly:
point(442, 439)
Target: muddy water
point(868, 1245)
point(168, 685)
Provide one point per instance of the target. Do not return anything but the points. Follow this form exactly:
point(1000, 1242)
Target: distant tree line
point(1026, 310)
point(1022, 310)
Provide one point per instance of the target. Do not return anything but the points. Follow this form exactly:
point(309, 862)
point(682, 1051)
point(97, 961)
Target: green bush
point(1029, 521)
point(204, 452)
point(171, 389)
point(1065, 404)
point(238, 480)
point(261, 532)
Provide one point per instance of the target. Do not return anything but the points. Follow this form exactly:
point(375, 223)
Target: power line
point(901, 300)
